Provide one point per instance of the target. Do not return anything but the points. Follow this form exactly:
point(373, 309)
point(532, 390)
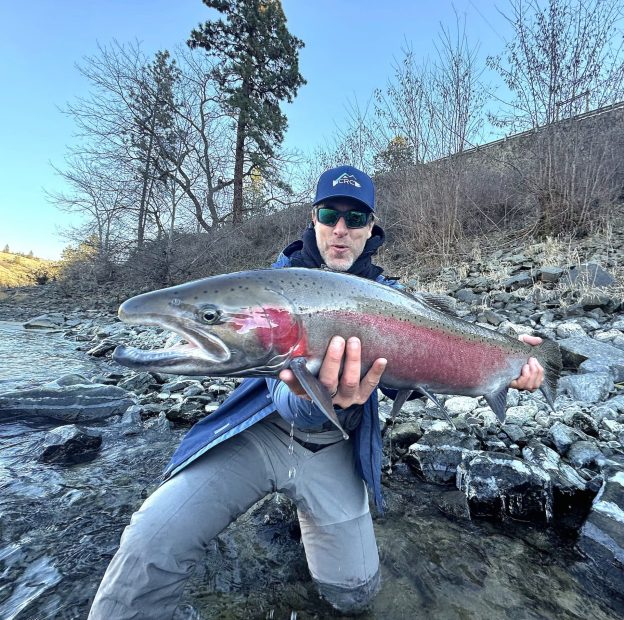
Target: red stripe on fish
point(275, 328)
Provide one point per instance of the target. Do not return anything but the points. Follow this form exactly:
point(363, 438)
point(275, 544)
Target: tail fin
point(548, 355)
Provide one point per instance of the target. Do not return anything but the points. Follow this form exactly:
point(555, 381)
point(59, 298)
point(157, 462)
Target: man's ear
point(313, 216)
point(370, 230)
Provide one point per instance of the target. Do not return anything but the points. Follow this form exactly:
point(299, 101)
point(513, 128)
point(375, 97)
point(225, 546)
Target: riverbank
point(556, 498)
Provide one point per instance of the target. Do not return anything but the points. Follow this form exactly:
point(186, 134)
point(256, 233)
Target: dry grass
point(19, 270)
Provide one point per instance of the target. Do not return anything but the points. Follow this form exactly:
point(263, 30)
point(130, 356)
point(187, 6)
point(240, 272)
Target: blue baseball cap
point(346, 182)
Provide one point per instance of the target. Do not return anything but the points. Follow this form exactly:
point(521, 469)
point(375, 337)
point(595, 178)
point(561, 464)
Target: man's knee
point(350, 600)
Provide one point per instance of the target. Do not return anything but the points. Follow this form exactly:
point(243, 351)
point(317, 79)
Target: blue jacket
point(255, 399)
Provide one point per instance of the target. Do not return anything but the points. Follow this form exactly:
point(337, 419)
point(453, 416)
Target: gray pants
point(168, 535)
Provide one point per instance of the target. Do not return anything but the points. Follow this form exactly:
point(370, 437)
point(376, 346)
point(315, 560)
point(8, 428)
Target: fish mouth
point(202, 349)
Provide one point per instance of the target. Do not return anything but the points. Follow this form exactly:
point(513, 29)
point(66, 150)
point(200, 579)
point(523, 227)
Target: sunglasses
point(353, 219)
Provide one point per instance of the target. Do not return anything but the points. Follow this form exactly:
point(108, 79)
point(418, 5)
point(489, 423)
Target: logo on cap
point(349, 179)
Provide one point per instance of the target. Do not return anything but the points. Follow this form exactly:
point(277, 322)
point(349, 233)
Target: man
point(210, 482)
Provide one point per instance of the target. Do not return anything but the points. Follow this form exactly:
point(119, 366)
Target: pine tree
point(259, 68)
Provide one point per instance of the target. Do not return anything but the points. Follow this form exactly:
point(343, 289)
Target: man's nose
point(341, 228)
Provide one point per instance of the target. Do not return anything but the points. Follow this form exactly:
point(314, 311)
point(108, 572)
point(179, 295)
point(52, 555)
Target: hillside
point(18, 270)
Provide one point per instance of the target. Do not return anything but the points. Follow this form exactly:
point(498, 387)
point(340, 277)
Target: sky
point(350, 47)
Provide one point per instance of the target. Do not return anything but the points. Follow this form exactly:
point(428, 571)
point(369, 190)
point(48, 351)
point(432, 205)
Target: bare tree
point(565, 58)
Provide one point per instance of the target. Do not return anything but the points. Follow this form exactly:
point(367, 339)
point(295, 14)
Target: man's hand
point(532, 373)
point(348, 389)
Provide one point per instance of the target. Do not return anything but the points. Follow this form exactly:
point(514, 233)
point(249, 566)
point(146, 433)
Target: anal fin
point(498, 402)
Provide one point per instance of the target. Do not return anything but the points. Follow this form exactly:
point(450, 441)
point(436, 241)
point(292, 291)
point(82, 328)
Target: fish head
point(233, 325)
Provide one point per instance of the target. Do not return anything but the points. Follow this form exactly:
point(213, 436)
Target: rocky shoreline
point(561, 469)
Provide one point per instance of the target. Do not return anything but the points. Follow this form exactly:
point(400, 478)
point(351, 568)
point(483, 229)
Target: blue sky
point(350, 48)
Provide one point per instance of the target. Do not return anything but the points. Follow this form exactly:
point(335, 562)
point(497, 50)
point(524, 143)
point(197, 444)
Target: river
point(60, 525)
point(31, 355)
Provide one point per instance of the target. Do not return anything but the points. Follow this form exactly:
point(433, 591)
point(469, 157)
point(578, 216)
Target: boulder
point(437, 454)
point(53, 320)
point(65, 403)
point(69, 444)
point(563, 436)
point(520, 280)
point(589, 388)
point(501, 486)
point(589, 274)
point(602, 536)
point(576, 350)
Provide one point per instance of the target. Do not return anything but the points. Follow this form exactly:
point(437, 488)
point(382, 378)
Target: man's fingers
point(330, 368)
point(532, 340)
point(288, 377)
point(373, 376)
point(350, 380)
point(531, 377)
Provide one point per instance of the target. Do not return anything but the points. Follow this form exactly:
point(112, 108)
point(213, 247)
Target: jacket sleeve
point(300, 411)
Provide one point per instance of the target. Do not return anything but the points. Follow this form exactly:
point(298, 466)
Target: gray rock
point(179, 385)
point(72, 403)
point(521, 415)
point(570, 329)
point(405, 434)
point(461, 405)
point(453, 504)
point(138, 383)
point(498, 485)
point(564, 436)
point(102, 348)
point(575, 351)
point(614, 370)
point(131, 420)
point(437, 454)
point(72, 379)
point(617, 403)
point(584, 453)
point(520, 280)
point(589, 274)
point(550, 274)
point(69, 444)
point(602, 535)
point(589, 388)
point(563, 477)
point(53, 320)
point(467, 296)
point(515, 433)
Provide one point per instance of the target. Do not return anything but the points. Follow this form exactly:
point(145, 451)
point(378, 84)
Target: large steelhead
point(256, 323)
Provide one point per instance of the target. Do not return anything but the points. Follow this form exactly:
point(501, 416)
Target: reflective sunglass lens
point(353, 219)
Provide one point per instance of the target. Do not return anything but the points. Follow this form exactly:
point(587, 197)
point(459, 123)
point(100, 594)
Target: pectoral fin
point(498, 403)
point(316, 391)
point(399, 401)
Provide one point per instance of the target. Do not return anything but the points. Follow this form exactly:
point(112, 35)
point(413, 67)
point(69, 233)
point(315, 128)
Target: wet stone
point(72, 403)
point(501, 486)
point(139, 383)
point(437, 454)
point(53, 320)
point(69, 444)
point(584, 453)
point(405, 434)
point(102, 348)
point(602, 536)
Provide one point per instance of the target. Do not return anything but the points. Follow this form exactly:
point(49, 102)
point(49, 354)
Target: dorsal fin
point(443, 303)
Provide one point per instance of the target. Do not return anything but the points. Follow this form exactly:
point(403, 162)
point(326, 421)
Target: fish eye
point(209, 314)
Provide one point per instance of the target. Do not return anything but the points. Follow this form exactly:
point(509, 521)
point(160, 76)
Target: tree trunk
point(239, 160)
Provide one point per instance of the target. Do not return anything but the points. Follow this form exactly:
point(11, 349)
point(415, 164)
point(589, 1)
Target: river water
point(30, 355)
point(59, 527)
